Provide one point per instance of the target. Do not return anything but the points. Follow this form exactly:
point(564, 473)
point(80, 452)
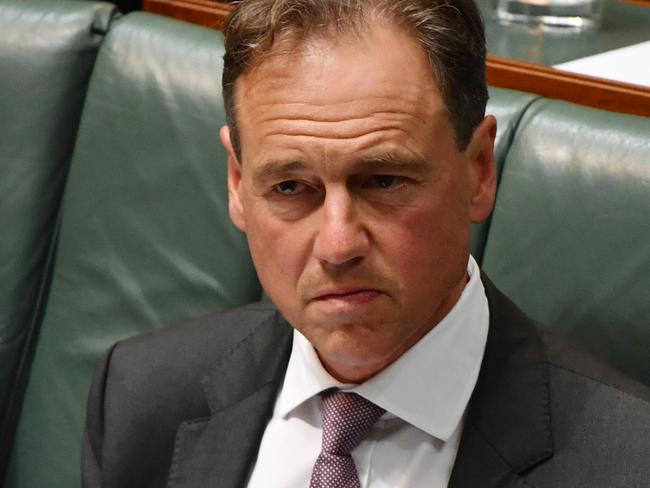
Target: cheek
point(430, 244)
point(277, 248)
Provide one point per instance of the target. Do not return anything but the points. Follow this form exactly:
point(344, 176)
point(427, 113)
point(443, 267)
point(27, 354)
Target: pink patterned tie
point(347, 419)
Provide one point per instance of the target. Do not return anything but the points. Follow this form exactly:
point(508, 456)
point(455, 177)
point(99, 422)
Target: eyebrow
point(392, 162)
point(388, 162)
point(273, 168)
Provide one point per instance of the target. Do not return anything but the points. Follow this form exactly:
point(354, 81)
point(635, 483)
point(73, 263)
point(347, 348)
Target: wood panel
point(501, 72)
point(640, 3)
point(202, 12)
point(554, 83)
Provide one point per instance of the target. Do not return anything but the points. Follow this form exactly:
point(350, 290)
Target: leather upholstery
point(145, 239)
point(570, 234)
point(47, 52)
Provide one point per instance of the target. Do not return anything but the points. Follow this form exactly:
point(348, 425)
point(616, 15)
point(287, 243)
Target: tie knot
point(347, 419)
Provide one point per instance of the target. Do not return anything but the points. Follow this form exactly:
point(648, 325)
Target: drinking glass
point(553, 14)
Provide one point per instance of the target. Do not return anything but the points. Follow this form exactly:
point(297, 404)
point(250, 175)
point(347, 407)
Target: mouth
point(350, 296)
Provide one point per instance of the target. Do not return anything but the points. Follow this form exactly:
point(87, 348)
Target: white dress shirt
point(424, 392)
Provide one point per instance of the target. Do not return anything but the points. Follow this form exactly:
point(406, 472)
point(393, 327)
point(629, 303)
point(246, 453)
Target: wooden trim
point(202, 12)
point(581, 89)
point(638, 3)
point(501, 72)
point(212, 13)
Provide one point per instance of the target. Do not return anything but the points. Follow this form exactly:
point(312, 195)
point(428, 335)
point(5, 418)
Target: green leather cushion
point(145, 239)
point(47, 51)
point(507, 106)
point(569, 239)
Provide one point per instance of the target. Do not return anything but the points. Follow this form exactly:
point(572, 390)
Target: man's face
point(355, 199)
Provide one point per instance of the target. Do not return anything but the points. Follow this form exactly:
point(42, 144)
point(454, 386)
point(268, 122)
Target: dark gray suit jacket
point(186, 407)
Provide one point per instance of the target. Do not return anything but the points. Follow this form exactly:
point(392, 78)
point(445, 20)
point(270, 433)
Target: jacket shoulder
point(567, 358)
point(160, 362)
point(600, 422)
point(587, 425)
point(214, 330)
point(147, 385)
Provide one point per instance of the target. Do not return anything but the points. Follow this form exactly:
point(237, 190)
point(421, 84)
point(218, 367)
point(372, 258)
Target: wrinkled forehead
point(376, 59)
point(344, 93)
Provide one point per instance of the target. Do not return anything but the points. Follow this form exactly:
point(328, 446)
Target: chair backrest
point(47, 52)
point(145, 238)
point(569, 239)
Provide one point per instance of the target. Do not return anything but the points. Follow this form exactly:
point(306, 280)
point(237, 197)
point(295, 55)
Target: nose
point(341, 237)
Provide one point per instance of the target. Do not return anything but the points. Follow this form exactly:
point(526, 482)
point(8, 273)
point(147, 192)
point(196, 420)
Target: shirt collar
point(429, 386)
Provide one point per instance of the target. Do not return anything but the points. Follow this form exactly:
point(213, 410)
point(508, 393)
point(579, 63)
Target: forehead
point(341, 90)
point(370, 60)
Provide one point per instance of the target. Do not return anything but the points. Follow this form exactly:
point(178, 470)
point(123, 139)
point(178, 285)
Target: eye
point(385, 181)
point(290, 187)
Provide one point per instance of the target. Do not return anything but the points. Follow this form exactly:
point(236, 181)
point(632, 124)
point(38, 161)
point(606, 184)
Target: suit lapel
point(508, 427)
point(219, 450)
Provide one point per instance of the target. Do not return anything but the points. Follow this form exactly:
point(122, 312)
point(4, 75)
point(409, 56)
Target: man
point(359, 156)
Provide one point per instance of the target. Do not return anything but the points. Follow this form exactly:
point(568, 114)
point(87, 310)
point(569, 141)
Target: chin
point(353, 351)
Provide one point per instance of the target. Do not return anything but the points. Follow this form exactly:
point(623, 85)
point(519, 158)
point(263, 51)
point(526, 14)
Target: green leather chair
point(145, 238)
point(47, 52)
point(570, 236)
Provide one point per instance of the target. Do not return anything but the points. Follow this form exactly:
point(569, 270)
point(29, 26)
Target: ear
point(483, 173)
point(235, 207)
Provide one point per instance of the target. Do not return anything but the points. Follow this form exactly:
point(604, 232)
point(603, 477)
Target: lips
point(350, 296)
